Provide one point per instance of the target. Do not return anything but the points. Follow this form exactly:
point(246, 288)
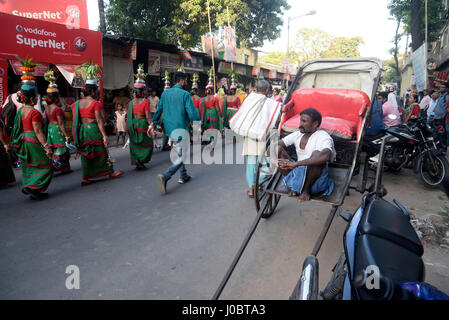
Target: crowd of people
point(39, 137)
point(432, 105)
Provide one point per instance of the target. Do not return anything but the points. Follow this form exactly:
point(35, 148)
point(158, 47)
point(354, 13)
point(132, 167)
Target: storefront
point(53, 46)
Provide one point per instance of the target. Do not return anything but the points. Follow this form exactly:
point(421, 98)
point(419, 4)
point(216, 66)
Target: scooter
point(382, 257)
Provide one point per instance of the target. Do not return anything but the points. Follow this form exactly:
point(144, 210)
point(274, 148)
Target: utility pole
point(426, 40)
point(212, 43)
point(311, 13)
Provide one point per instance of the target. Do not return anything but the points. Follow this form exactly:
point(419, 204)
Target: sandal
point(86, 182)
point(116, 174)
point(250, 195)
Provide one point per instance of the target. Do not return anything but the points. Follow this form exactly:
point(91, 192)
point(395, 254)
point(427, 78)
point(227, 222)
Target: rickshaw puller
point(314, 148)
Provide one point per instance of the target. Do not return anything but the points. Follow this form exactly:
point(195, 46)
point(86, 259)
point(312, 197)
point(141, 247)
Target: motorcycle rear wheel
point(430, 177)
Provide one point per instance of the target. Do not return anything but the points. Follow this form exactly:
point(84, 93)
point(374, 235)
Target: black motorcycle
point(412, 146)
point(382, 257)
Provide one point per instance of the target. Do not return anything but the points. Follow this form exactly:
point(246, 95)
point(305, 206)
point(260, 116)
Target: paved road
point(130, 242)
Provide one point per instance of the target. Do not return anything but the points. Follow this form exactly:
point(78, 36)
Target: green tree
point(148, 20)
point(390, 71)
point(311, 43)
point(102, 27)
point(275, 57)
point(182, 22)
point(412, 14)
point(316, 43)
point(343, 47)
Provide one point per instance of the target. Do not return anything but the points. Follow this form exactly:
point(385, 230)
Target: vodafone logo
point(19, 28)
point(80, 44)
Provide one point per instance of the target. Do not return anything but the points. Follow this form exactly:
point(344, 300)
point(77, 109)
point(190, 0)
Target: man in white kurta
point(314, 149)
point(252, 149)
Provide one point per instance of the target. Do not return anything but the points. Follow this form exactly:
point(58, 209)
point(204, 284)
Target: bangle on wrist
point(46, 145)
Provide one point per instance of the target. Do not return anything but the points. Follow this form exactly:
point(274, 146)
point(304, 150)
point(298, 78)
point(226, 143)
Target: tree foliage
point(343, 47)
point(275, 57)
point(182, 22)
point(391, 76)
point(412, 14)
point(316, 43)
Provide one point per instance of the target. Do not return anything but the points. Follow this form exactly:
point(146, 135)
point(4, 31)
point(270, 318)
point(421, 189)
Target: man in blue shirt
point(439, 116)
point(177, 107)
point(376, 124)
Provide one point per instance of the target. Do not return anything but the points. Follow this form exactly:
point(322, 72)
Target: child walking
point(120, 123)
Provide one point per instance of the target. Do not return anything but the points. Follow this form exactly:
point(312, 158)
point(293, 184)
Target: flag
point(230, 45)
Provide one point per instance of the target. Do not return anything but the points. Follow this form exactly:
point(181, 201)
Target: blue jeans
point(251, 168)
point(177, 165)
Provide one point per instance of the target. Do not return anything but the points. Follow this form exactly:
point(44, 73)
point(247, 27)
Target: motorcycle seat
point(384, 220)
point(393, 261)
point(372, 137)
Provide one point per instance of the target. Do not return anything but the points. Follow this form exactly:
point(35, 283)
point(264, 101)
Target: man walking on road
point(177, 107)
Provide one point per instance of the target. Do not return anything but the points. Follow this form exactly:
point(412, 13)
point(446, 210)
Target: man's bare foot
point(304, 196)
point(292, 193)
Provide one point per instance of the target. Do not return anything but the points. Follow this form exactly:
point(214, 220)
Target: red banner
point(131, 52)
point(273, 75)
point(72, 13)
point(39, 71)
point(3, 81)
point(256, 71)
point(185, 55)
point(49, 42)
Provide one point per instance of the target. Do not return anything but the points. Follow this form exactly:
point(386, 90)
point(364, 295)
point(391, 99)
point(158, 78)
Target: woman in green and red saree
point(231, 105)
point(90, 136)
point(209, 107)
point(31, 146)
point(6, 172)
point(57, 134)
point(139, 119)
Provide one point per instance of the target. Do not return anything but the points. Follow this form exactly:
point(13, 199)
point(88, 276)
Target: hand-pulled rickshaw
point(343, 91)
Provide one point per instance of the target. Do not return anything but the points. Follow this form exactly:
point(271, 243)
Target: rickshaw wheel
point(264, 173)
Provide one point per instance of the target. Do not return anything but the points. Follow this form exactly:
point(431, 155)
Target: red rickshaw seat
point(342, 110)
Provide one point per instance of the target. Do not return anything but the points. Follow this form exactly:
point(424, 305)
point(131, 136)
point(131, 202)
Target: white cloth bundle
point(256, 117)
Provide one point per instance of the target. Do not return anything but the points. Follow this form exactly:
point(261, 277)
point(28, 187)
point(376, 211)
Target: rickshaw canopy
point(340, 73)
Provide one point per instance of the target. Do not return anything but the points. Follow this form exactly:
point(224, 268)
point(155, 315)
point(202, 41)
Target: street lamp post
point(311, 13)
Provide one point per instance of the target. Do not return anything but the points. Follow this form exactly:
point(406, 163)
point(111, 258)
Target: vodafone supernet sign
point(72, 13)
point(25, 37)
point(39, 15)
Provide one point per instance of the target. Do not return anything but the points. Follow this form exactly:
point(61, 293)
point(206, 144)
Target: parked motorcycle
point(382, 257)
point(412, 146)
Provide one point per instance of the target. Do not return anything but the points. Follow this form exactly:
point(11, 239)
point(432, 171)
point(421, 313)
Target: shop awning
point(117, 73)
